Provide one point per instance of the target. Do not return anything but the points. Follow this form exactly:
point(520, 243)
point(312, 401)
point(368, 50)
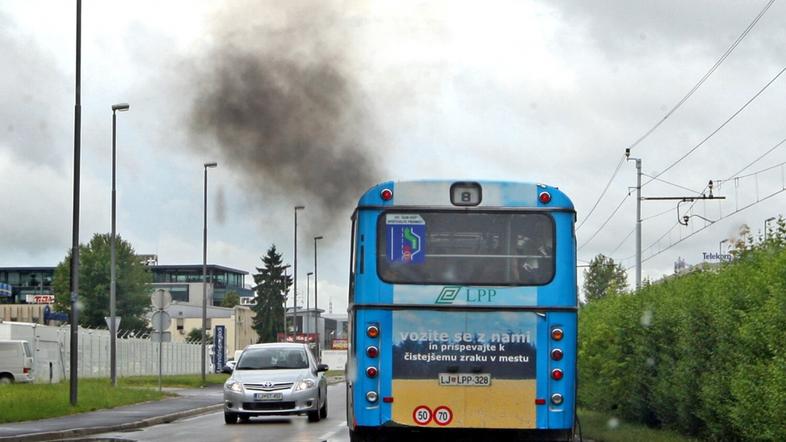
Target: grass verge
point(606, 428)
point(24, 402)
point(179, 381)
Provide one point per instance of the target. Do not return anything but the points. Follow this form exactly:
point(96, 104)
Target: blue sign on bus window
point(406, 234)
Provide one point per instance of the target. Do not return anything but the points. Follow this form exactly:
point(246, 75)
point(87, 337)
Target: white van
point(16, 362)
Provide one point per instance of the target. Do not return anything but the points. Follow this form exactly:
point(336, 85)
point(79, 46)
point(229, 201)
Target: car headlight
point(234, 386)
point(305, 384)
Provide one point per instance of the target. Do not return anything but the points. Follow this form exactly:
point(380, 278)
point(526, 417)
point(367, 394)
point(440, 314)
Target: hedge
point(703, 353)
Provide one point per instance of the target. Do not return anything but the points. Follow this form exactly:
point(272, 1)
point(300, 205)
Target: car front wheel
point(230, 418)
point(315, 415)
point(323, 410)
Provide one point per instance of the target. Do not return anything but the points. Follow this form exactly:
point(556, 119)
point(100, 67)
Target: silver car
point(275, 379)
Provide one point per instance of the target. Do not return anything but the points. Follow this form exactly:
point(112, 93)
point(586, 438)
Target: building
point(332, 328)
point(184, 282)
point(33, 285)
point(237, 322)
point(26, 285)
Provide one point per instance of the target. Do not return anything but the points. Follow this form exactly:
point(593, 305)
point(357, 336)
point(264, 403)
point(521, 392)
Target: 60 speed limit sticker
point(443, 415)
point(422, 415)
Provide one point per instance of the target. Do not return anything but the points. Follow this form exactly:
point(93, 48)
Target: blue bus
point(462, 311)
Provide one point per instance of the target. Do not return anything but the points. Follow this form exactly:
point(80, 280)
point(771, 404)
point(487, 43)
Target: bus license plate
point(268, 396)
point(465, 379)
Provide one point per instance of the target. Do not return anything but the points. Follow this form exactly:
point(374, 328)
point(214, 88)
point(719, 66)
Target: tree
point(133, 277)
point(231, 299)
point(603, 277)
point(272, 284)
point(195, 335)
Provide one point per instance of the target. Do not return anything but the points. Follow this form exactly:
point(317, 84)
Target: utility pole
point(638, 216)
point(681, 199)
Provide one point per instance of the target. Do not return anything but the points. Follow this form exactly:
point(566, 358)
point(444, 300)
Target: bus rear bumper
point(412, 434)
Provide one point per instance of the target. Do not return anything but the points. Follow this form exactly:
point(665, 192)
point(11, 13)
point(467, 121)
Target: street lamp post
point(286, 295)
point(308, 295)
point(74, 280)
point(122, 107)
point(316, 300)
point(720, 247)
point(294, 313)
point(767, 221)
point(204, 277)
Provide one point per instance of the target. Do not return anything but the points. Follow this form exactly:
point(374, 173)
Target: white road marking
point(339, 427)
point(200, 416)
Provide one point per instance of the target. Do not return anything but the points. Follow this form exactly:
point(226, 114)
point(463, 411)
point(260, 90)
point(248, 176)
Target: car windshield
point(272, 358)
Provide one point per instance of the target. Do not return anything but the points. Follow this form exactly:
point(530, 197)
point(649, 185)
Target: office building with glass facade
point(33, 285)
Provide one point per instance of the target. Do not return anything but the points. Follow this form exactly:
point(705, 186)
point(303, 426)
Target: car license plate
point(268, 396)
point(465, 379)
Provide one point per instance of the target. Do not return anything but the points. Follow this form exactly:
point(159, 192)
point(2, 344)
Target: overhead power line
point(734, 212)
point(602, 194)
point(706, 74)
point(672, 184)
point(604, 222)
point(682, 101)
point(623, 241)
point(718, 129)
point(774, 166)
point(737, 173)
point(658, 214)
point(710, 224)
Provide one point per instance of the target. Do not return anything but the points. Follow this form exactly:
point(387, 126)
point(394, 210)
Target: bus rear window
point(467, 248)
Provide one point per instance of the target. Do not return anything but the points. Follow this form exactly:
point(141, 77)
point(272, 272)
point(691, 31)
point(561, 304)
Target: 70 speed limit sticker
point(443, 415)
point(422, 415)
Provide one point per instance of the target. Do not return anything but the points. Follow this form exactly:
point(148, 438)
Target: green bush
point(702, 353)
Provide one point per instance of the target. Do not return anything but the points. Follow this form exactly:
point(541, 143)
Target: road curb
point(77, 432)
point(335, 380)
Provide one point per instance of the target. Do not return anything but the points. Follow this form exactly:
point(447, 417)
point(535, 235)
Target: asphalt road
point(211, 427)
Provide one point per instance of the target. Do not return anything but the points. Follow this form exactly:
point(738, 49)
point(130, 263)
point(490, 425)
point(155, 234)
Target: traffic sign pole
point(161, 299)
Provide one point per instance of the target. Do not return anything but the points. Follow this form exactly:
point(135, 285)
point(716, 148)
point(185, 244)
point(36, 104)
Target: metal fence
point(136, 356)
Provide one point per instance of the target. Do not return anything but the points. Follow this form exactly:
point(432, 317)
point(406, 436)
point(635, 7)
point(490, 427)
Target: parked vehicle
point(16, 361)
point(275, 379)
point(230, 365)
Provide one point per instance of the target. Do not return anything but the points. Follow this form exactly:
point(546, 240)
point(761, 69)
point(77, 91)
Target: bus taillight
point(556, 354)
point(372, 331)
point(386, 194)
point(372, 396)
point(557, 334)
point(544, 197)
point(371, 372)
point(556, 399)
point(372, 351)
point(556, 374)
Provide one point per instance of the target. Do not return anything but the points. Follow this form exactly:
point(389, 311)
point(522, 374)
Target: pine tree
point(272, 284)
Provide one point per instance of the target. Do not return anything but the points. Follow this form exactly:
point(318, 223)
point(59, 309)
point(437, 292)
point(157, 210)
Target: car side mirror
point(322, 367)
point(227, 369)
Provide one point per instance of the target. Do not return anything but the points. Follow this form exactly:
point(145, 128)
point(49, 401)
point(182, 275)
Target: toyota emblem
point(267, 384)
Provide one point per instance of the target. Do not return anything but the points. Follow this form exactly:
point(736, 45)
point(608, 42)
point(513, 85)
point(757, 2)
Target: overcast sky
point(312, 102)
